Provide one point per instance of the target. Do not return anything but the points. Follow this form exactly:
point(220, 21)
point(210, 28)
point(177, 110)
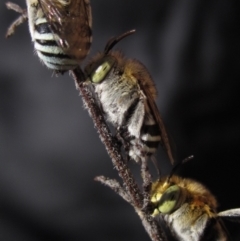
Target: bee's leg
point(121, 141)
point(123, 136)
point(21, 19)
point(117, 141)
point(126, 135)
point(147, 181)
point(15, 7)
point(58, 72)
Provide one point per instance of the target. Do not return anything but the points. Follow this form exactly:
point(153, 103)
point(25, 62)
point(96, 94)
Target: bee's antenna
point(114, 40)
point(178, 165)
point(156, 166)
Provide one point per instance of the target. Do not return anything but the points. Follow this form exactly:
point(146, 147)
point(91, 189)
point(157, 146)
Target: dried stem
point(130, 191)
point(115, 186)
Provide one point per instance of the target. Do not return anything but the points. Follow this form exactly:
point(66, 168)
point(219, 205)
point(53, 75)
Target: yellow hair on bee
point(197, 194)
point(135, 69)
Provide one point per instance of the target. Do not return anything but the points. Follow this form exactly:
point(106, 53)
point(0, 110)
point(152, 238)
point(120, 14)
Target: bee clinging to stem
point(60, 29)
point(189, 210)
point(127, 94)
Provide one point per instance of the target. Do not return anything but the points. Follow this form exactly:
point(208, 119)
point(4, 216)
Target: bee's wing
point(231, 214)
point(71, 21)
point(215, 228)
point(148, 87)
point(164, 136)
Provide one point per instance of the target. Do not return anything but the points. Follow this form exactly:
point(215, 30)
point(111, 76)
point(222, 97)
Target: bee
point(189, 209)
point(127, 94)
point(60, 30)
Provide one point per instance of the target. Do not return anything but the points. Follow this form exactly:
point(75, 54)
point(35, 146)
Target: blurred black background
point(49, 149)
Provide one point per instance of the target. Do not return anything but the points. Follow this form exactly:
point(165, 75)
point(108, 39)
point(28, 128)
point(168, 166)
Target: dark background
point(49, 149)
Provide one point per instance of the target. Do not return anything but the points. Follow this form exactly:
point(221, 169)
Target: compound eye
point(102, 70)
point(169, 200)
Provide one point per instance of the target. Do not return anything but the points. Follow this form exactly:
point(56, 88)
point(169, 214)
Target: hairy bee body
point(125, 104)
point(45, 45)
point(60, 30)
point(189, 210)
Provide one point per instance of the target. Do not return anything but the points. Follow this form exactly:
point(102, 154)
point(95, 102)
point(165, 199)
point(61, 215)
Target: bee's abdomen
point(147, 143)
point(150, 136)
point(48, 50)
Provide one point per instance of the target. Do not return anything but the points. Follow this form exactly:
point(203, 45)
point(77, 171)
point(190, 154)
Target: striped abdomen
point(149, 139)
point(150, 135)
point(48, 50)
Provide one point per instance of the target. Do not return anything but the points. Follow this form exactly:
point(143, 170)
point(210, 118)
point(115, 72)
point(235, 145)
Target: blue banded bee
point(126, 93)
point(60, 30)
point(189, 210)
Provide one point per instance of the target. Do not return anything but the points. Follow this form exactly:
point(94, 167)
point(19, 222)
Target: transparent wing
point(164, 136)
point(147, 86)
point(231, 214)
point(71, 21)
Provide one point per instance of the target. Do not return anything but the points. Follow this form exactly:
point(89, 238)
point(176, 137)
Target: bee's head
point(166, 194)
point(166, 197)
point(100, 66)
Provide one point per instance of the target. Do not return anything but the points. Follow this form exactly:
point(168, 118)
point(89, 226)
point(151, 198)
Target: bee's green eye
point(102, 70)
point(169, 199)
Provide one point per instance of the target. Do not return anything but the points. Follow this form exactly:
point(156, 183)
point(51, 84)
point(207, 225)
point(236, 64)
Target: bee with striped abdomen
point(60, 30)
point(189, 210)
point(126, 93)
